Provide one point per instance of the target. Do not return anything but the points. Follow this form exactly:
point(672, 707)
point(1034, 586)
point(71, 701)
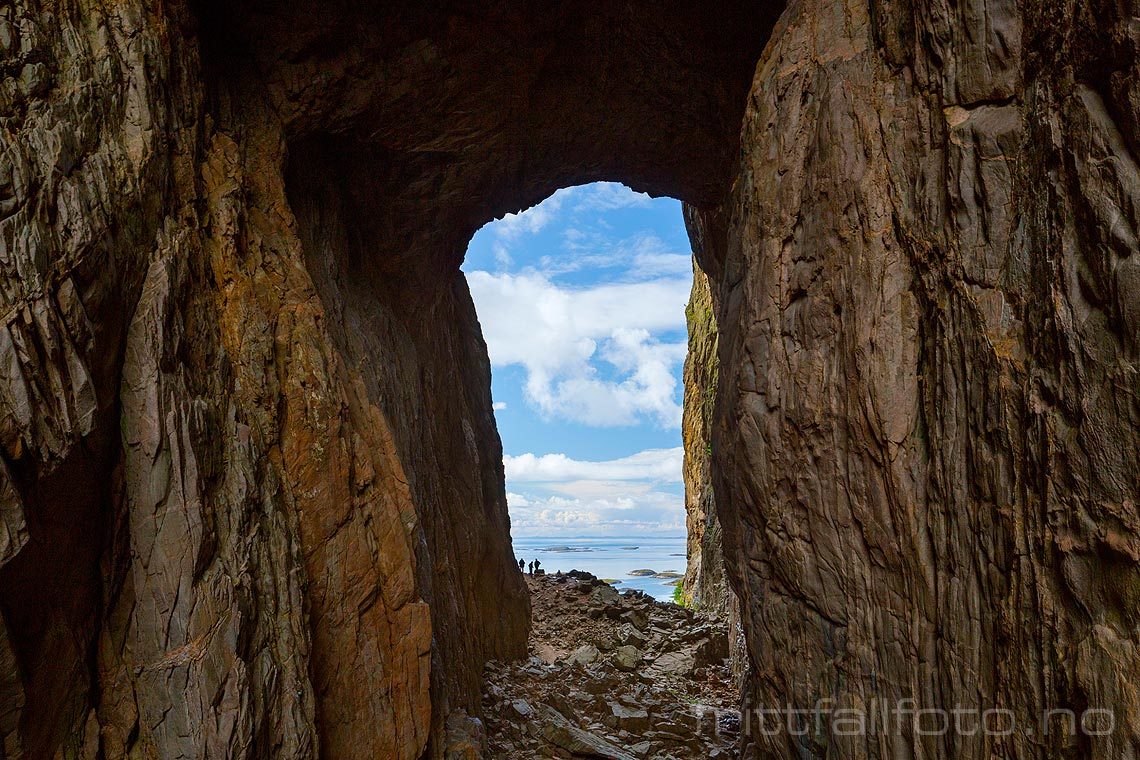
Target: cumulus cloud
point(662, 465)
point(560, 333)
point(609, 196)
point(656, 511)
point(553, 493)
point(499, 406)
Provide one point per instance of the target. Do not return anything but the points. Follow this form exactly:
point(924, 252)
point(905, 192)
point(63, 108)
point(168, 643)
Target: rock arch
point(250, 484)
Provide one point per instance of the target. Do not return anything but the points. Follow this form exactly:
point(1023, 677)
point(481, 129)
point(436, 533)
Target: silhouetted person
point(536, 565)
point(522, 565)
point(531, 570)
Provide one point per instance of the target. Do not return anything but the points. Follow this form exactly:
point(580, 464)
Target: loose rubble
point(612, 675)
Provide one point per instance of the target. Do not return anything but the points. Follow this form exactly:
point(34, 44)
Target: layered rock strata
point(251, 491)
point(705, 583)
point(925, 458)
point(251, 496)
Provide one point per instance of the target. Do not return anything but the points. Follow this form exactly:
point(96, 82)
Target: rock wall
point(705, 586)
point(705, 583)
point(925, 457)
point(251, 492)
point(224, 553)
point(251, 496)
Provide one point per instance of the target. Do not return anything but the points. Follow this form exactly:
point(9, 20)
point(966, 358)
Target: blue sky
point(582, 299)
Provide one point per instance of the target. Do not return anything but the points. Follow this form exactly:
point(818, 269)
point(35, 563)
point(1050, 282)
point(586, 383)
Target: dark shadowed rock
point(561, 733)
point(251, 489)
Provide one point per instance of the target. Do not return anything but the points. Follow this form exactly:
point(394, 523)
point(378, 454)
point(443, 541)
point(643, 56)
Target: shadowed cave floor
point(611, 675)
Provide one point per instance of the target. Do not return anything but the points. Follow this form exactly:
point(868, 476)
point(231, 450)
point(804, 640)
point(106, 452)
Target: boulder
point(521, 709)
point(626, 658)
point(583, 655)
point(557, 730)
point(677, 664)
point(637, 618)
point(632, 719)
point(604, 595)
point(628, 634)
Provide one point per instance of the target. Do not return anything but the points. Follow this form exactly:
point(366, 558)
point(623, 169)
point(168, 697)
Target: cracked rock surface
point(612, 675)
point(924, 445)
point(251, 489)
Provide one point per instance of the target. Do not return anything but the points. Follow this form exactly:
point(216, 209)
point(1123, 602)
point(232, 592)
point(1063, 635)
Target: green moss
point(682, 599)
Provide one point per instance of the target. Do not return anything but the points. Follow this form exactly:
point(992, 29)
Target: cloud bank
point(590, 303)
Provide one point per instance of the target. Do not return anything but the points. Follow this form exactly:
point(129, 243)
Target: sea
point(622, 561)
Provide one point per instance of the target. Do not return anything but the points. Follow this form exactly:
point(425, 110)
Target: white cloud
point(559, 334)
point(609, 196)
point(662, 264)
point(503, 257)
point(662, 465)
point(532, 220)
point(642, 255)
point(655, 511)
point(554, 494)
point(499, 406)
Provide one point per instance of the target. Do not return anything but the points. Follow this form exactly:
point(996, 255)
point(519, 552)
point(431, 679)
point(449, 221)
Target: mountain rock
point(928, 322)
point(251, 489)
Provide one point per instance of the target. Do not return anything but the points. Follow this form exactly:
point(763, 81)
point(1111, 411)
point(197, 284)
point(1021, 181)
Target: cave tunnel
point(251, 488)
point(395, 130)
point(488, 113)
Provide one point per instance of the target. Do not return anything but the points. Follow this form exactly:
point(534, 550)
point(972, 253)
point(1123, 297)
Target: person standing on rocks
point(522, 565)
point(537, 564)
point(530, 571)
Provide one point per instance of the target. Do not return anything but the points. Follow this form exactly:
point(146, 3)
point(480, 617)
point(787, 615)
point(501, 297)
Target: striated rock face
point(705, 572)
point(251, 491)
point(705, 583)
point(925, 442)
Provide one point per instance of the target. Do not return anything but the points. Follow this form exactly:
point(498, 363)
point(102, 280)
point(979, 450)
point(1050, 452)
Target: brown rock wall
point(251, 493)
point(924, 464)
point(705, 583)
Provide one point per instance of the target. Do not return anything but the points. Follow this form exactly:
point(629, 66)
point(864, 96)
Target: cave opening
point(295, 478)
point(252, 497)
point(601, 337)
point(391, 167)
point(582, 299)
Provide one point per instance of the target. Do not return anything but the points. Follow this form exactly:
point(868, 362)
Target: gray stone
point(626, 658)
point(583, 655)
point(557, 730)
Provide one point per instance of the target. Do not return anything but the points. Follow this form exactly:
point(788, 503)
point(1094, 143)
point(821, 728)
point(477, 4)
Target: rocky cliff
point(705, 583)
point(251, 491)
point(925, 458)
point(223, 511)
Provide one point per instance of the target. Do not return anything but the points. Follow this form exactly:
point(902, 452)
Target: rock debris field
point(611, 675)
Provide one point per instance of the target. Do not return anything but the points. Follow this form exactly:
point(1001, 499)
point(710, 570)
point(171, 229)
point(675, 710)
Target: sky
point(582, 302)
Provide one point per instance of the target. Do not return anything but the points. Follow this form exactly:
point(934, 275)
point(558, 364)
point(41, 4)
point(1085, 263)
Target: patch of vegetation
point(683, 599)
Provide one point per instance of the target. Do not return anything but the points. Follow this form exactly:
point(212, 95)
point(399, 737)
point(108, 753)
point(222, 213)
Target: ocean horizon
point(622, 560)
